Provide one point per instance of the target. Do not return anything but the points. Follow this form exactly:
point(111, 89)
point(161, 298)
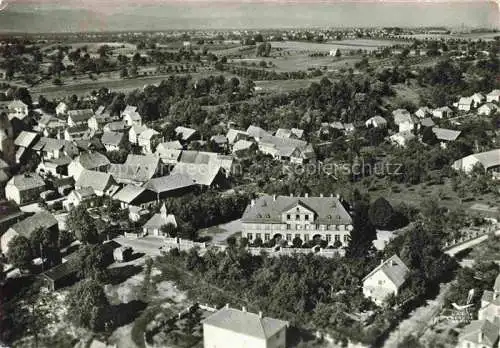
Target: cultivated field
point(368, 45)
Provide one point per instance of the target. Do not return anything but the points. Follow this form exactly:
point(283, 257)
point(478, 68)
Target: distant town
point(258, 188)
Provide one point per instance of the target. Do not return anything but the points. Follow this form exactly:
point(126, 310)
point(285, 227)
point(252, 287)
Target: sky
point(111, 15)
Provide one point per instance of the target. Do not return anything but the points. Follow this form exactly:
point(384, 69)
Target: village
point(203, 210)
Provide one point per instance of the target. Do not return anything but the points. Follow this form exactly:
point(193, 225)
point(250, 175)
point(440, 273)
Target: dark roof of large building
point(169, 183)
point(80, 115)
point(92, 160)
point(27, 181)
point(42, 219)
point(269, 209)
point(246, 323)
point(9, 210)
point(97, 180)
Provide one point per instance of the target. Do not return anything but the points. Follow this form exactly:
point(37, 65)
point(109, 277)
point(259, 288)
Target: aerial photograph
point(249, 173)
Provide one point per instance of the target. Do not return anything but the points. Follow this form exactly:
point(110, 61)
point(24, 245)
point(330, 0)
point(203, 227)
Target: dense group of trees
point(262, 74)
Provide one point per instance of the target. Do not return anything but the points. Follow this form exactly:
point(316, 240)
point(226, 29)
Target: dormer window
point(307, 217)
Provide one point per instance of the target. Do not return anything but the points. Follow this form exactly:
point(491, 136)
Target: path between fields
point(419, 319)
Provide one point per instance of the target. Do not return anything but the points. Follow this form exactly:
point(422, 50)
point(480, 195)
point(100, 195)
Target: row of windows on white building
point(316, 227)
point(289, 236)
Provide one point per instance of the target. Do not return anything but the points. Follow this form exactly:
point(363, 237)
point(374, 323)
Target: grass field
point(284, 85)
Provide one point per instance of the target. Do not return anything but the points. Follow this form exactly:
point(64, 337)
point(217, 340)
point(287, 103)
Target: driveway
point(148, 245)
point(219, 234)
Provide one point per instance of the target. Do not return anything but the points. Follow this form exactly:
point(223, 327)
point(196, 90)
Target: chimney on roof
point(260, 314)
point(252, 202)
point(244, 309)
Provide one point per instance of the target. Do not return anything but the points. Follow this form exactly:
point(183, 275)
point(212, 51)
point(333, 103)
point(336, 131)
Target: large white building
point(288, 217)
point(232, 328)
point(490, 160)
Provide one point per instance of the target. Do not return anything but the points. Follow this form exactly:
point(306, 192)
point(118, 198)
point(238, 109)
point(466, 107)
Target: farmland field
point(369, 45)
point(283, 85)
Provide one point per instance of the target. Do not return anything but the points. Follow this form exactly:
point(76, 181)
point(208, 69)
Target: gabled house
point(134, 132)
point(386, 279)
point(173, 185)
point(220, 140)
point(232, 328)
point(442, 112)
point(131, 117)
point(257, 133)
point(465, 104)
point(84, 196)
point(146, 140)
point(404, 120)
point(103, 184)
point(24, 141)
point(41, 220)
point(186, 134)
point(49, 124)
point(286, 149)
point(446, 135)
point(487, 109)
point(79, 117)
point(61, 109)
point(477, 99)
point(155, 224)
point(376, 122)
point(234, 135)
point(24, 188)
point(113, 141)
point(116, 126)
point(79, 132)
point(490, 304)
point(88, 161)
point(479, 334)
point(242, 145)
point(295, 133)
point(493, 96)
point(49, 148)
point(134, 196)
point(423, 112)
point(18, 109)
point(55, 167)
point(137, 169)
point(98, 121)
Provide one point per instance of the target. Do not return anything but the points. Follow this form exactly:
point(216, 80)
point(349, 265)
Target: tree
point(297, 242)
point(82, 224)
point(45, 243)
point(429, 137)
point(380, 212)
point(363, 233)
point(257, 242)
point(169, 230)
point(93, 261)
point(19, 253)
point(88, 305)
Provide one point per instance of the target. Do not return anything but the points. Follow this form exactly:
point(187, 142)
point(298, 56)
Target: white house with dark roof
point(88, 161)
point(79, 117)
point(24, 188)
point(442, 112)
point(465, 104)
point(146, 139)
point(233, 328)
point(134, 132)
point(102, 183)
point(386, 279)
point(132, 195)
point(84, 196)
point(50, 148)
point(445, 135)
point(137, 169)
point(131, 117)
point(286, 218)
point(26, 227)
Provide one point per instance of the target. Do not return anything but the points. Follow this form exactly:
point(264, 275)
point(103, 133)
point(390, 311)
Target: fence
point(294, 251)
point(183, 244)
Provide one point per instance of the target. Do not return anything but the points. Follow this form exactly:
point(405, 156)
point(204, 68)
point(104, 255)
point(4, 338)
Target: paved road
point(469, 244)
